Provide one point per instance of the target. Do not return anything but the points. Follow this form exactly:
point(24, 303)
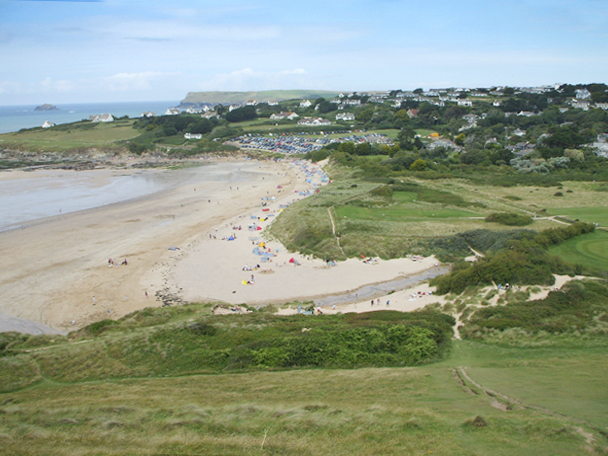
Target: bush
point(572, 309)
point(509, 219)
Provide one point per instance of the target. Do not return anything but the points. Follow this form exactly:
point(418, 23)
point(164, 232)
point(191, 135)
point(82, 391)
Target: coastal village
point(347, 114)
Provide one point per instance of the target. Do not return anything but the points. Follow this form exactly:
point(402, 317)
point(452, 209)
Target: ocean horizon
point(14, 118)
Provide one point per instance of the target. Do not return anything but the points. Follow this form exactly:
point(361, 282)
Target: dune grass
point(389, 411)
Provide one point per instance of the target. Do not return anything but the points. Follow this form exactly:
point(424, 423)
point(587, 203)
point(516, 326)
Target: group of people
point(112, 263)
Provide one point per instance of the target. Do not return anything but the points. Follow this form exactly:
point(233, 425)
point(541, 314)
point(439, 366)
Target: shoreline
point(56, 268)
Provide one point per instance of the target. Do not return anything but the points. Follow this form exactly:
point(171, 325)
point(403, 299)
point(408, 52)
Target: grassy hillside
point(77, 135)
point(128, 388)
point(243, 97)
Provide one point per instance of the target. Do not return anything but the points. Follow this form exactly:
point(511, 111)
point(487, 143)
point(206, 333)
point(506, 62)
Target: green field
point(590, 250)
point(260, 97)
point(72, 136)
point(402, 213)
point(597, 214)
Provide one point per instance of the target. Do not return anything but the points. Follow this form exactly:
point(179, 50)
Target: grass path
point(333, 230)
point(509, 400)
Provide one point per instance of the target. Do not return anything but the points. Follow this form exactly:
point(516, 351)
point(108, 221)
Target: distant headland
point(46, 107)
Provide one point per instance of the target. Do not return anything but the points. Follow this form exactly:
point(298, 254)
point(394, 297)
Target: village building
point(193, 136)
point(47, 124)
point(314, 121)
point(148, 114)
point(347, 116)
point(305, 104)
point(290, 115)
point(101, 118)
point(172, 112)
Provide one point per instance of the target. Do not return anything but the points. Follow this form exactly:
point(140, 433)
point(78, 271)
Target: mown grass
point(567, 378)
point(593, 214)
point(589, 250)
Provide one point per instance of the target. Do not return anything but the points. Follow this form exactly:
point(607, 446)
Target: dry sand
point(55, 270)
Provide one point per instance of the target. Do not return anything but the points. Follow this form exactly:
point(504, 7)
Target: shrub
point(509, 219)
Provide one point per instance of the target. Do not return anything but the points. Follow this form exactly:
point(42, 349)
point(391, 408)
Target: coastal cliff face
point(46, 107)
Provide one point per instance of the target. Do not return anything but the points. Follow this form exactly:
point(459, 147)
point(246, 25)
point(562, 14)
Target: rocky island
point(46, 107)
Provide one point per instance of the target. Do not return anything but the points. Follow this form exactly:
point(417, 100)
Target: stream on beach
point(382, 289)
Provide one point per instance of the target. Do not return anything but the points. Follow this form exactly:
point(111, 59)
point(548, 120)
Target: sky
point(130, 50)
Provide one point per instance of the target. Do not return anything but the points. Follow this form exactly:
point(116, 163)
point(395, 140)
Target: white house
point(603, 106)
point(102, 118)
point(252, 103)
point(496, 103)
point(305, 104)
point(519, 132)
point(193, 136)
point(581, 104)
point(172, 112)
point(467, 103)
point(583, 94)
point(314, 121)
point(284, 115)
point(148, 114)
point(348, 116)
point(47, 124)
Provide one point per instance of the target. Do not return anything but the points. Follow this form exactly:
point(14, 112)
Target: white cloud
point(63, 85)
point(123, 82)
point(248, 79)
point(10, 87)
point(179, 29)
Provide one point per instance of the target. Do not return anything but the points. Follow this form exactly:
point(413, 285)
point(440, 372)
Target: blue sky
point(131, 50)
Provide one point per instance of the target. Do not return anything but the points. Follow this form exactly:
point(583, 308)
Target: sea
point(14, 118)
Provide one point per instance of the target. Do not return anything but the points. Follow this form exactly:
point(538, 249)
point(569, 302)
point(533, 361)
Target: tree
point(241, 114)
point(459, 140)
point(366, 115)
point(326, 106)
point(419, 91)
point(348, 147)
point(405, 138)
point(418, 165)
point(363, 149)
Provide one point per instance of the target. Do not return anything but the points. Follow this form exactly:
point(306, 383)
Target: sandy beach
point(56, 271)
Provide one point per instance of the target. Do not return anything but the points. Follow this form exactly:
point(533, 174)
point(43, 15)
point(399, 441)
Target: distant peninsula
point(46, 107)
point(213, 98)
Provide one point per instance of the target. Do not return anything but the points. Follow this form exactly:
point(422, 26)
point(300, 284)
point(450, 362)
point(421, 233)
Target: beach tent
point(231, 238)
point(262, 244)
point(173, 248)
point(292, 260)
